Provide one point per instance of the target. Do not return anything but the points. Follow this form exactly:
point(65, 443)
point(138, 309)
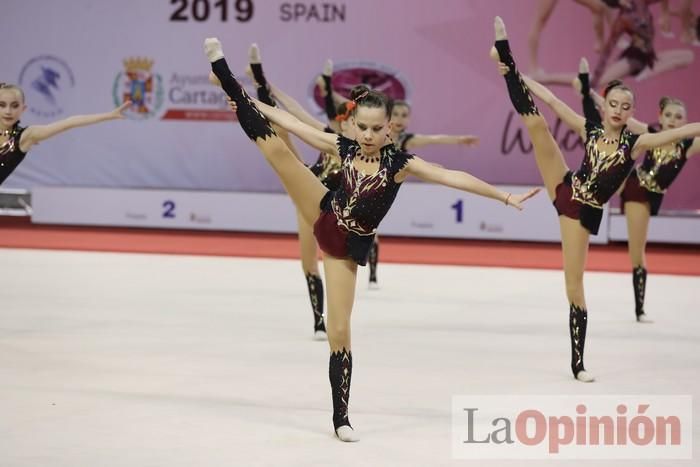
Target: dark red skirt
point(565, 205)
point(635, 192)
point(331, 238)
point(335, 240)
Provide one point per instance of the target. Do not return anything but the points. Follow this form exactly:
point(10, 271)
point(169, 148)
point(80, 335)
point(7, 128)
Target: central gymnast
point(345, 220)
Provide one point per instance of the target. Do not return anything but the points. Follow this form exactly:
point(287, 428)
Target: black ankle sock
point(328, 103)
point(578, 322)
point(589, 109)
point(639, 282)
point(373, 259)
point(315, 286)
point(261, 83)
point(517, 90)
point(253, 123)
point(258, 74)
point(340, 373)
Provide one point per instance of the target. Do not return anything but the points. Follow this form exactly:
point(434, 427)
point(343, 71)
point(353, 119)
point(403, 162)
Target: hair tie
point(349, 106)
point(361, 96)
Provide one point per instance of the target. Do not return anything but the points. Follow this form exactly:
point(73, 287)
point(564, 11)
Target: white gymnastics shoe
point(347, 434)
point(213, 49)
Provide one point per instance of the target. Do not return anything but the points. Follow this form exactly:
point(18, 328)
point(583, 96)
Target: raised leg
point(302, 186)
point(548, 156)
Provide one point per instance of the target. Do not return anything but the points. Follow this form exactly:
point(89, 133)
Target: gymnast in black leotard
point(346, 219)
point(579, 196)
point(16, 140)
point(643, 191)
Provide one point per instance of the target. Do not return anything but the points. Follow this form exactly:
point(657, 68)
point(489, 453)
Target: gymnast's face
point(11, 107)
point(371, 128)
point(672, 116)
point(400, 118)
point(619, 107)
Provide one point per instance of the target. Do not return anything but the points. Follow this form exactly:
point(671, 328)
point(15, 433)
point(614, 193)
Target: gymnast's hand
point(582, 70)
point(118, 113)
point(517, 200)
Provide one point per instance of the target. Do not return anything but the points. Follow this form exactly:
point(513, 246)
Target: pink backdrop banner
point(435, 53)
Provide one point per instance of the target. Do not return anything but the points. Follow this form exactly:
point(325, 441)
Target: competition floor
point(128, 359)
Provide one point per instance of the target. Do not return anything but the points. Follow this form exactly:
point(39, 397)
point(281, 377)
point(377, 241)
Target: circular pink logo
point(376, 77)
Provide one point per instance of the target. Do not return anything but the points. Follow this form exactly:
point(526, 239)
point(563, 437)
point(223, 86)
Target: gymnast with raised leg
point(346, 219)
point(326, 168)
point(579, 196)
point(643, 191)
point(16, 140)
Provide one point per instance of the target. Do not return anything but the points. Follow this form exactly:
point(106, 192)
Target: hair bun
point(358, 91)
point(668, 100)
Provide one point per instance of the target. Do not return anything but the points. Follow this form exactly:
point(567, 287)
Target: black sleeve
point(403, 160)
point(346, 146)
point(591, 126)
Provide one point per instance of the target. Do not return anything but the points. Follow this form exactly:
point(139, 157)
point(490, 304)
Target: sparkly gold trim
point(598, 162)
point(660, 157)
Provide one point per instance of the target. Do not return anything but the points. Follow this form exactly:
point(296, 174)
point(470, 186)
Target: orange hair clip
point(349, 106)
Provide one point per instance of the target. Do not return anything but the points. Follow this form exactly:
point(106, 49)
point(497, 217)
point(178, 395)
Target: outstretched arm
point(319, 139)
point(465, 182)
point(652, 140)
point(424, 140)
point(294, 108)
point(573, 120)
point(38, 133)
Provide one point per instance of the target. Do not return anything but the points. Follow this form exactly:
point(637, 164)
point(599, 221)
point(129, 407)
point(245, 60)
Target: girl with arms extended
point(16, 140)
point(345, 219)
point(579, 196)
